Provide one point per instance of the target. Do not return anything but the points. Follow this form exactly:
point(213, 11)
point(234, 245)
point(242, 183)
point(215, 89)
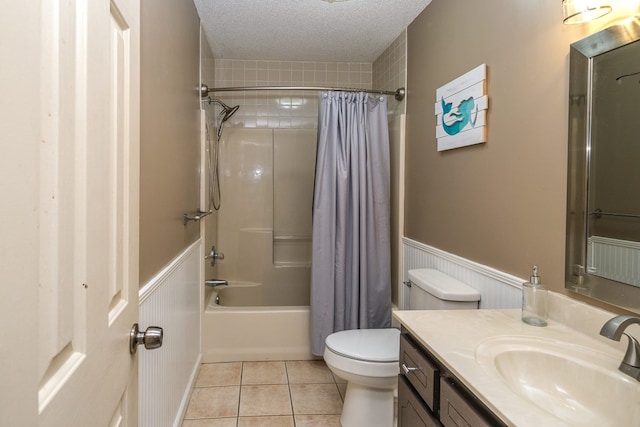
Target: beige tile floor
point(265, 394)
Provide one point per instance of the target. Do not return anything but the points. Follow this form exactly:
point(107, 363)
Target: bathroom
point(498, 207)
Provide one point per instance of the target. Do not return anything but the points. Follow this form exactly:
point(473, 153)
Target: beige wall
point(502, 203)
point(169, 134)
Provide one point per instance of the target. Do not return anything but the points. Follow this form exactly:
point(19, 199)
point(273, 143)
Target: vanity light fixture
point(581, 11)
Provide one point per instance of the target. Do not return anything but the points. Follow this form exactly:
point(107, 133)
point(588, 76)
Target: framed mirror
point(603, 192)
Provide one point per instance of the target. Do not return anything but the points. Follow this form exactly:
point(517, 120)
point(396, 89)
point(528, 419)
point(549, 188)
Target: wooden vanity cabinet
point(456, 410)
point(411, 409)
point(429, 395)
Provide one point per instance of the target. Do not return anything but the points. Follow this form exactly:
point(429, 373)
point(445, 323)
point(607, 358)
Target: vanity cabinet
point(411, 409)
point(429, 395)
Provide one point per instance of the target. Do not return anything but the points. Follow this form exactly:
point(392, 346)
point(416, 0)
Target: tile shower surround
point(283, 109)
point(390, 71)
point(299, 109)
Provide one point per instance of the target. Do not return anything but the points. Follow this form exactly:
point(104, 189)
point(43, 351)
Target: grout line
point(293, 412)
point(240, 393)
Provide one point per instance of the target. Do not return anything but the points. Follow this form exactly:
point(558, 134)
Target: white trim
point(173, 301)
point(498, 275)
point(159, 278)
point(627, 244)
point(497, 289)
point(614, 259)
point(182, 409)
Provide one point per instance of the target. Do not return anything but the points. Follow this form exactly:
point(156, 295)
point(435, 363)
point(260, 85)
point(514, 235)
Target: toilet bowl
point(368, 358)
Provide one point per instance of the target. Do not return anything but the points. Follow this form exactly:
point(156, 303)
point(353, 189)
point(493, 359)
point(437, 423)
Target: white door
point(75, 255)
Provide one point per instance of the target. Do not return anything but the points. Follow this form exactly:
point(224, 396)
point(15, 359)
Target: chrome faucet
point(214, 283)
point(614, 329)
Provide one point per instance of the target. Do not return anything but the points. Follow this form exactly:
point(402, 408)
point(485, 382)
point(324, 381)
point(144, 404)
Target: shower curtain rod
point(398, 93)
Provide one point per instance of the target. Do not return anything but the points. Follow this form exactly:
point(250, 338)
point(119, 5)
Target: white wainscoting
point(614, 259)
point(497, 289)
point(171, 300)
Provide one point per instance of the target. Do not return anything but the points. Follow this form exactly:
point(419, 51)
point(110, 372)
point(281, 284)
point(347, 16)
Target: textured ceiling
point(305, 30)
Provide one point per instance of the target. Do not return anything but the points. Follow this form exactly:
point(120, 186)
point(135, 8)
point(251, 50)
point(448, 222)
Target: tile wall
point(390, 71)
point(283, 109)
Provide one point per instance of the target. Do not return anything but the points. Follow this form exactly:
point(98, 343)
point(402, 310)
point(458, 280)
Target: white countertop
point(454, 335)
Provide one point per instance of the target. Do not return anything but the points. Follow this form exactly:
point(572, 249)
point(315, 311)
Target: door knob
point(151, 338)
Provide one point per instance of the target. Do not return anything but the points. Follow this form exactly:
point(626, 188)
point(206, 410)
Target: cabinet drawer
point(422, 374)
point(455, 411)
point(411, 411)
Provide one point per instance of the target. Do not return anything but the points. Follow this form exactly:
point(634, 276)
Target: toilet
point(368, 358)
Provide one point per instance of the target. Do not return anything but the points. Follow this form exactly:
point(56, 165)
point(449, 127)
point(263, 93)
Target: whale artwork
point(461, 108)
point(460, 117)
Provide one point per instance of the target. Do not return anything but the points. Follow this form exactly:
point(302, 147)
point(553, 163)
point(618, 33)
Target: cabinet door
point(455, 411)
point(412, 412)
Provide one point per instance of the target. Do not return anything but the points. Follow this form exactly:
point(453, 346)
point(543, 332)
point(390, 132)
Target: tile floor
point(265, 394)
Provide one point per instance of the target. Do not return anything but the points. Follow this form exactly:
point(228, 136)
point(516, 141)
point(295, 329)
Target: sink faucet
point(214, 283)
point(614, 329)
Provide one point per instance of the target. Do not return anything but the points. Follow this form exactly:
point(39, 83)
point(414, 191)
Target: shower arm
point(398, 93)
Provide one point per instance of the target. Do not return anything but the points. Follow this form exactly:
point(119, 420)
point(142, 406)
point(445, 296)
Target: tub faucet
point(614, 329)
point(214, 283)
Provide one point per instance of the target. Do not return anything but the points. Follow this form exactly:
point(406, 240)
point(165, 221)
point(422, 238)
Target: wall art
point(461, 110)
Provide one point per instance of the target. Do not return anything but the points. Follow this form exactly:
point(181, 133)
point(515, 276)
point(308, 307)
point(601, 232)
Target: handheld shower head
point(227, 111)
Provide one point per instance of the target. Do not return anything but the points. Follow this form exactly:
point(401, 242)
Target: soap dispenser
point(534, 301)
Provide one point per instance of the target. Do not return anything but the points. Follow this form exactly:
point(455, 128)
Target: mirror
point(603, 193)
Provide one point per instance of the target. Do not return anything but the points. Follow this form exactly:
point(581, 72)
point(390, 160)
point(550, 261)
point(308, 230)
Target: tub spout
point(214, 283)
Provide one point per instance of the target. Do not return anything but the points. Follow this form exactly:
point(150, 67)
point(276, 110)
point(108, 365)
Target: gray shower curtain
point(350, 270)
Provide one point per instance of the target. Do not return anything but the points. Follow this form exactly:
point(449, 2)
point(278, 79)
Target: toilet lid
point(374, 345)
point(442, 286)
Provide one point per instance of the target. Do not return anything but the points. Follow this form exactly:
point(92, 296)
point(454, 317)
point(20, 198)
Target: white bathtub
point(241, 332)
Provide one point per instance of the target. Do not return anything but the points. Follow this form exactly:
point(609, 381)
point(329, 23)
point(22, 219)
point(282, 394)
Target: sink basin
point(577, 385)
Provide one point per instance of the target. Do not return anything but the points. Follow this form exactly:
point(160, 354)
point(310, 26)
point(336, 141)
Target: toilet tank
point(433, 290)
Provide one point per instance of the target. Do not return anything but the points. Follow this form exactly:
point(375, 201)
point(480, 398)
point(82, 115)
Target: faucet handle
point(213, 256)
point(632, 356)
point(613, 329)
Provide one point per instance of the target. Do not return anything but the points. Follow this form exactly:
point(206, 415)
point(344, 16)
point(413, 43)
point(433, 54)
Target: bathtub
point(234, 330)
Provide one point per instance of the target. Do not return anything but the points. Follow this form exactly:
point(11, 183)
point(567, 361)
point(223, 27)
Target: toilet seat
point(369, 345)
